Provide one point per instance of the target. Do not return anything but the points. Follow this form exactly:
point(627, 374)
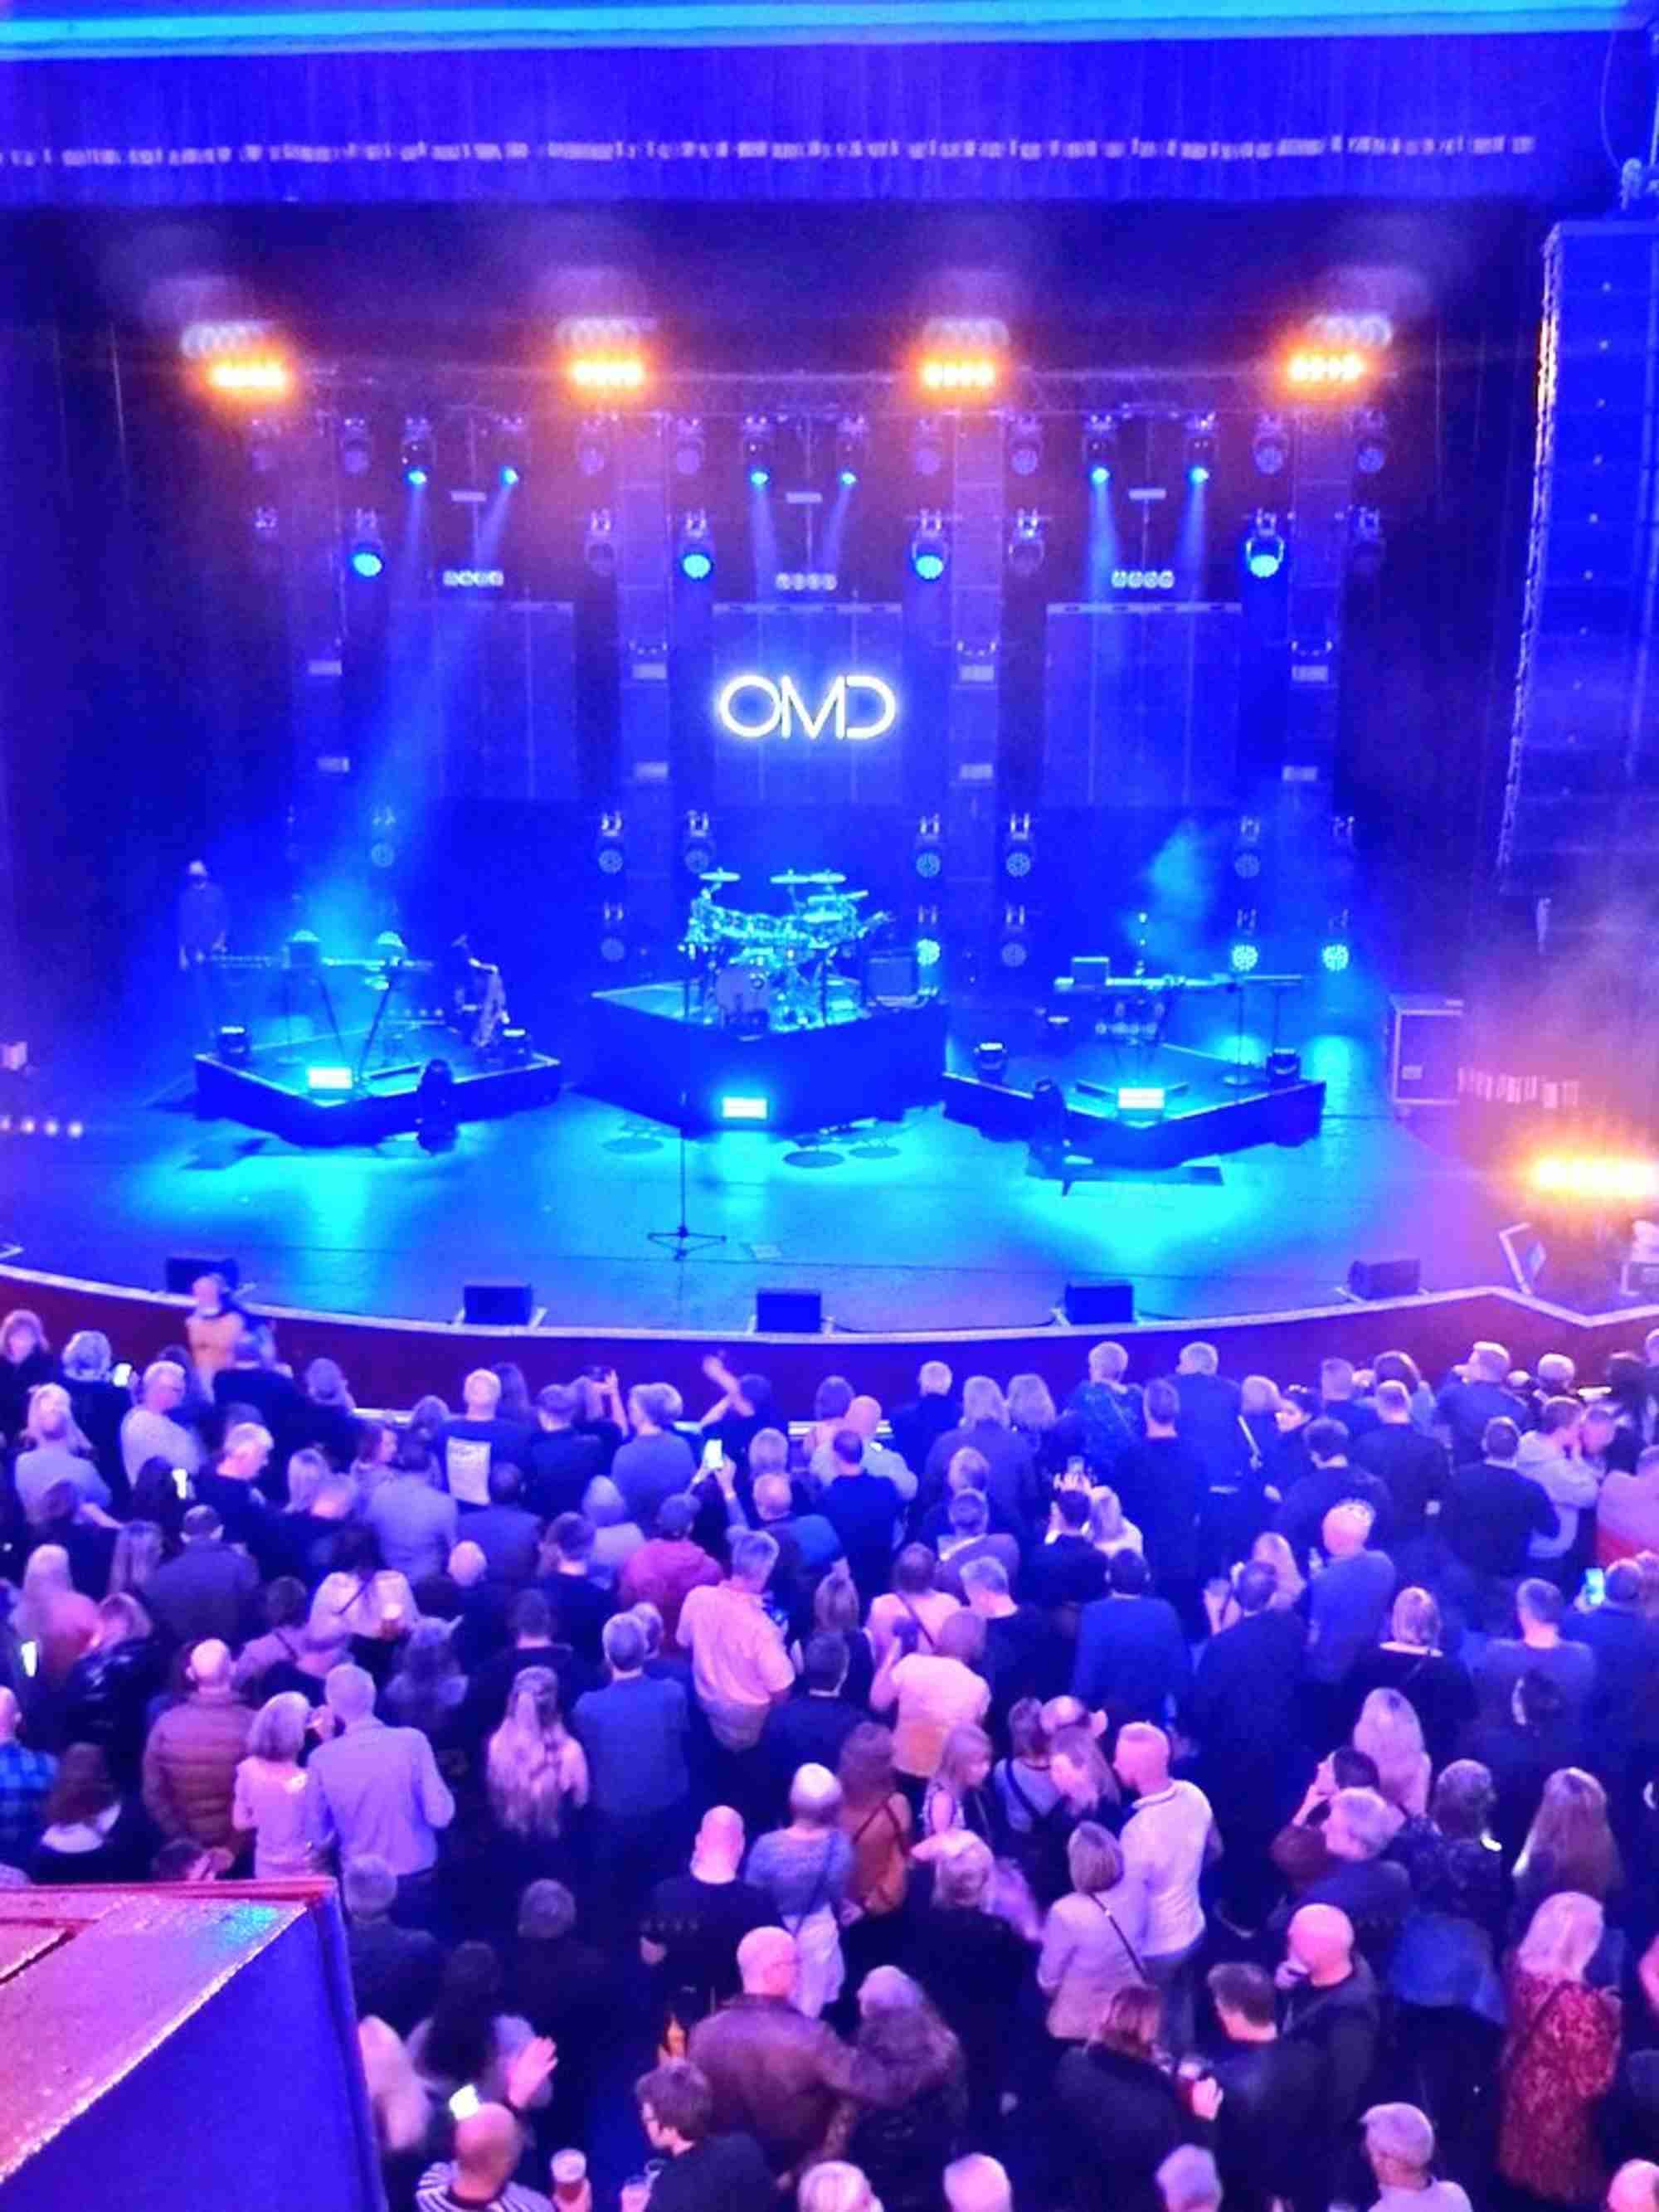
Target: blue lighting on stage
point(1335, 956)
point(1243, 957)
point(760, 477)
point(328, 1078)
point(416, 477)
point(1198, 474)
point(929, 953)
point(849, 478)
point(739, 1106)
point(1100, 475)
point(510, 476)
point(929, 566)
point(367, 563)
point(696, 565)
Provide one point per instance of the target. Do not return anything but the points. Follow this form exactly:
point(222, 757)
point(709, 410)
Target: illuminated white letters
point(854, 708)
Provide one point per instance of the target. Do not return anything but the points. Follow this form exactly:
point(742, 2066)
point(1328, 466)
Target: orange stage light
point(1314, 369)
point(254, 377)
point(1593, 1176)
point(970, 376)
point(617, 375)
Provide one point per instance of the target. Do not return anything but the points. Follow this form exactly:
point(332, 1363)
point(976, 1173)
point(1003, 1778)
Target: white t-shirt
point(1163, 1841)
point(1438, 2196)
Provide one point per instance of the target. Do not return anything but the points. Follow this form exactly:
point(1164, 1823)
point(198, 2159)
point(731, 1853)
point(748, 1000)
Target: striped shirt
point(436, 2192)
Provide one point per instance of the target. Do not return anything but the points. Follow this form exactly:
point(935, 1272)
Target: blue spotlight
point(1244, 957)
point(929, 553)
point(415, 451)
point(760, 477)
point(365, 553)
point(848, 478)
point(415, 478)
point(697, 565)
point(367, 562)
point(1335, 956)
point(1264, 546)
point(510, 476)
point(1198, 474)
point(1100, 475)
point(1201, 448)
point(697, 549)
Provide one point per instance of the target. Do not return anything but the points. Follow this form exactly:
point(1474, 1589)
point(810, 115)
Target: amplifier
point(1425, 1037)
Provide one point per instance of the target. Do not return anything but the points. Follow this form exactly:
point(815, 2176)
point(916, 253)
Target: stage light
point(1318, 369)
point(1370, 440)
point(758, 441)
point(1201, 448)
point(1019, 853)
point(1270, 448)
point(619, 375)
point(599, 544)
point(927, 849)
point(991, 1061)
point(689, 447)
point(328, 1078)
point(929, 553)
point(367, 552)
point(593, 446)
point(1595, 1176)
point(1247, 848)
point(610, 854)
point(1335, 954)
point(1025, 445)
point(696, 844)
point(1366, 543)
point(1244, 954)
point(852, 440)
point(697, 549)
point(1148, 1099)
point(267, 524)
point(234, 1045)
point(75, 1129)
point(1264, 546)
point(356, 446)
point(513, 452)
point(613, 939)
point(1026, 543)
point(962, 376)
point(414, 454)
point(1014, 942)
point(928, 448)
point(249, 378)
point(1099, 447)
point(929, 953)
point(743, 1106)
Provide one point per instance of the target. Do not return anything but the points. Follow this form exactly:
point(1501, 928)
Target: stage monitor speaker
point(1096, 1305)
point(789, 1313)
point(1386, 1279)
point(497, 1305)
point(183, 1269)
point(891, 976)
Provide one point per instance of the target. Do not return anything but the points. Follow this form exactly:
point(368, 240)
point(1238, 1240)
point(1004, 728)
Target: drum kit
point(757, 971)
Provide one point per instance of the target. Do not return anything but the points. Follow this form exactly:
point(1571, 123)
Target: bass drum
point(742, 992)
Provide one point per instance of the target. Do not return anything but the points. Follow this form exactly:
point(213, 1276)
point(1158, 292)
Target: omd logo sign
point(854, 709)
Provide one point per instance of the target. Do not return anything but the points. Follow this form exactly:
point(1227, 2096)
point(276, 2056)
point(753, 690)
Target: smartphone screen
point(464, 2102)
point(713, 1453)
point(122, 1376)
point(181, 1481)
point(1596, 1585)
point(29, 1653)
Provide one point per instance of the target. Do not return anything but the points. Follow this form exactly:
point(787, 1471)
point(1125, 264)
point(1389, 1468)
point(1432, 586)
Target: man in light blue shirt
point(373, 1789)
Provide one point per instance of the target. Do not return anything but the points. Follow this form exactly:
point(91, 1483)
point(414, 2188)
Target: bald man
point(695, 1922)
point(26, 1780)
point(1330, 2002)
point(192, 1754)
point(1635, 2187)
point(479, 2177)
point(775, 2073)
point(978, 2184)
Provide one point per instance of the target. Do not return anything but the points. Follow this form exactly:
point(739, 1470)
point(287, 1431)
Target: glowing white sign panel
point(854, 708)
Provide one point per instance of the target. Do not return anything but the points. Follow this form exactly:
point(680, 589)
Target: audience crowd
point(1207, 1793)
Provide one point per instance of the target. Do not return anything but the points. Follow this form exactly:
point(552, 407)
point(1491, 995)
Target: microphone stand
point(683, 1240)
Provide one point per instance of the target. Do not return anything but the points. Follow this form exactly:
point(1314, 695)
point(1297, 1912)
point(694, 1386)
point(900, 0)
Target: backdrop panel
point(812, 649)
point(499, 689)
point(1142, 705)
point(1222, 119)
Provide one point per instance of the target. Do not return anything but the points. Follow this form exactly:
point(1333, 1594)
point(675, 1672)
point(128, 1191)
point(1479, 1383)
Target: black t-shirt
point(581, 1609)
point(1161, 1485)
point(1491, 1514)
point(863, 1510)
point(558, 1466)
point(1301, 1517)
point(722, 2173)
point(1067, 1571)
point(1414, 1468)
point(605, 1434)
point(1020, 1659)
point(700, 1924)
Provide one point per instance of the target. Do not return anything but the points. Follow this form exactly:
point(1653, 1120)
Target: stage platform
point(273, 1092)
point(647, 1055)
point(1201, 1118)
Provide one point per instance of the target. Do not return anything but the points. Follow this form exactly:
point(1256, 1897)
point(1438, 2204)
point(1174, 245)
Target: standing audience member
point(1560, 2058)
point(376, 1789)
point(192, 1754)
point(1168, 1839)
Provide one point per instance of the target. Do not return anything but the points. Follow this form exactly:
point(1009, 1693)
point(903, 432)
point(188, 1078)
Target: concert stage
point(857, 1065)
point(1200, 1114)
point(275, 1092)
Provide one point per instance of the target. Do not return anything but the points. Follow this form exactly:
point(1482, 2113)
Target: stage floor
point(913, 1225)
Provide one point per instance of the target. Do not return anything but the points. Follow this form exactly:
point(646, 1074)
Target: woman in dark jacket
point(93, 1832)
point(109, 1686)
point(909, 2124)
point(1123, 2112)
point(972, 1965)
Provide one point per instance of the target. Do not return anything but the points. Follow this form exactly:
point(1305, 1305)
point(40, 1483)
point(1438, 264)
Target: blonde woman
point(1389, 1733)
point(535, 1770)
point(1271, 1550)
point(400, 2105)
point(269, 1801)
point(956, 1797)
point(1410, 1659)
point(1110, 1529)
point(1093, 1937)
point(55, 1452)
point(1559, 2056)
